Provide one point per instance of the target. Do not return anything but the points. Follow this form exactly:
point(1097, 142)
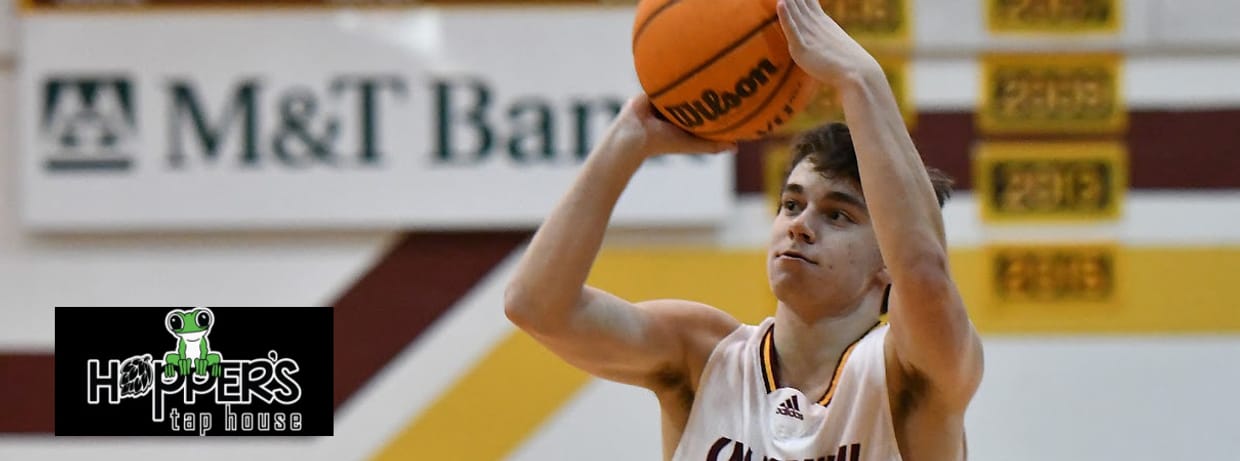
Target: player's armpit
point(640, 344)
point(931, 336)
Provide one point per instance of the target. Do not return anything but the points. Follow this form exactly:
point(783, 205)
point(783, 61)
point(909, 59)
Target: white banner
point(421, 118)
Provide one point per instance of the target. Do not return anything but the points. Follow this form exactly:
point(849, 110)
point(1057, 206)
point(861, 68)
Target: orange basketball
point(718, 68)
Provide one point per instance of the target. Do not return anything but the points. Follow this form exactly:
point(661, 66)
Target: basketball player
point(823, 379)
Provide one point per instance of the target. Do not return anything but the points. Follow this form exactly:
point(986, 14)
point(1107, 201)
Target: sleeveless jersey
point(741, 414)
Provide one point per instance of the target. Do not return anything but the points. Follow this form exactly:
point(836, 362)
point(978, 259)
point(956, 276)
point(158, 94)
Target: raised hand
point(821, 47)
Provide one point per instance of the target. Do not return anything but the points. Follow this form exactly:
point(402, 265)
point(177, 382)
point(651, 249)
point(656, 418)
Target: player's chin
point(786, 284)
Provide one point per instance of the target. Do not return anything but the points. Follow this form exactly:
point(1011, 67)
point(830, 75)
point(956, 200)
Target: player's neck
point(808, 349)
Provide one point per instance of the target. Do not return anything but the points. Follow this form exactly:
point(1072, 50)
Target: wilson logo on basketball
point(715, 104)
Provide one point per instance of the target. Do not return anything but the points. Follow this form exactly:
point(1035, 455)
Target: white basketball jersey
point(741, 414)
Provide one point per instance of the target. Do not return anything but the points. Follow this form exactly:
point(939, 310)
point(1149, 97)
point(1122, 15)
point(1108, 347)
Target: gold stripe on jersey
point(768, 372)
point(770, 363)
point(839, 368)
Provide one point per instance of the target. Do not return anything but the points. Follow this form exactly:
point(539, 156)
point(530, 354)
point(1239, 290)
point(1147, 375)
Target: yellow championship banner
point(1052, 94)
point(1053, 17)
point(882, 22)
point(825, 106)
point(1050, 181)
point(1069, 276)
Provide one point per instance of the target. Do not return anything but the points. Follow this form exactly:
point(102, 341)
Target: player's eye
point(790, 206)
point(175, 322)
point(203, 319)
point(837, 216)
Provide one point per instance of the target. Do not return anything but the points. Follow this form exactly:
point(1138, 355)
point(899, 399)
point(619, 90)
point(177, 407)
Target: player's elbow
point(932, 265)
point(530, 309)
point(519, 306)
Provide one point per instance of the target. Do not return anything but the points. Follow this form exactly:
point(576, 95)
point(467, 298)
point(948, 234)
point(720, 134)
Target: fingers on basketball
point(719, 69)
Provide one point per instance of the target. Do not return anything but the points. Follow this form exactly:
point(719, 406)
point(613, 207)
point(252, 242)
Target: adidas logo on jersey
point(790, 408)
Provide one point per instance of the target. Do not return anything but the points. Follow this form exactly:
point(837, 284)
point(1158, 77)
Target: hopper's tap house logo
point(262, 371)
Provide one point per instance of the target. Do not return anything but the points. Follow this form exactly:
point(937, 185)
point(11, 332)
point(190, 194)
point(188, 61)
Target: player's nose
point(800, 230)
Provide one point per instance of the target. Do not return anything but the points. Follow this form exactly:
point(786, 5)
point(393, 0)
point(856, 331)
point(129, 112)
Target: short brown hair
point(830, 148)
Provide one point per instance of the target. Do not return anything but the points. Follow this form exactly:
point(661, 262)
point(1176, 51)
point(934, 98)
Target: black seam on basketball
point(720, 54)
point(765, 102)
point(642, 28)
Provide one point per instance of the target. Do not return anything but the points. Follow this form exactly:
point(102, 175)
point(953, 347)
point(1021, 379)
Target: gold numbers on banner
point(870, 19)
point(1051, 94)
point(1053, 16)
point(1054, 273)
point(1025, 94)
point(1052, 186)
point(1055, 180)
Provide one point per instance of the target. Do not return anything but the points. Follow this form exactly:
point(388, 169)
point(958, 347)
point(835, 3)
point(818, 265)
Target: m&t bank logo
point(88, 123)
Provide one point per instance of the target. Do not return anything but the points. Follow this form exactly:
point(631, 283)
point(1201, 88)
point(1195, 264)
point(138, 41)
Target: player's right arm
point(593, 330)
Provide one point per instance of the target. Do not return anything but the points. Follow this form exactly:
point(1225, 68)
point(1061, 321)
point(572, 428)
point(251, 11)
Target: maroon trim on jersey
point(769, 363)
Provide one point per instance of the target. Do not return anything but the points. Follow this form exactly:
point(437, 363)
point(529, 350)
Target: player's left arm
point(930, 328)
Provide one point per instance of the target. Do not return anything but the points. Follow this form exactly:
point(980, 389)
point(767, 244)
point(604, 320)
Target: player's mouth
point(795, 255)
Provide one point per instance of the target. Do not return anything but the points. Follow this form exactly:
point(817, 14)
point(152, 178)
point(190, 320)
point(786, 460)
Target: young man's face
point(823, 257)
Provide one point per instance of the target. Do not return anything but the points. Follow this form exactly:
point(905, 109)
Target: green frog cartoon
point(191, 329)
